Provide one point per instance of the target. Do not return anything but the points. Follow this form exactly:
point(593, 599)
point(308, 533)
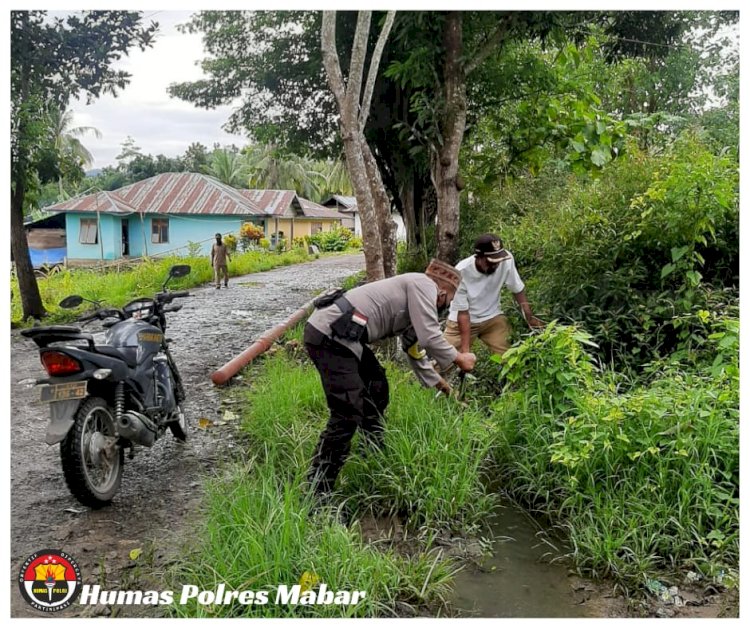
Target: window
point(316, 227)
point(159, 230)
point(89, 232)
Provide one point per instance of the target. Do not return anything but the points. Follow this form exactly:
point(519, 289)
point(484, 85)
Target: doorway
point(125, 238)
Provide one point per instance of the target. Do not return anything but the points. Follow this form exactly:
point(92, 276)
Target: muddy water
point(519, 580)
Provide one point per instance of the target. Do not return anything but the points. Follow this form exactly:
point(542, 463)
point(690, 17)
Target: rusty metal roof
point(313, 210)
point(347, 204)
point(288, 204)
point(168, 193)
point(272, 202)
point(193, 193)
point(105, 202)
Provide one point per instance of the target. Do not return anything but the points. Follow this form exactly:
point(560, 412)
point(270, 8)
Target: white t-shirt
point(480, 293)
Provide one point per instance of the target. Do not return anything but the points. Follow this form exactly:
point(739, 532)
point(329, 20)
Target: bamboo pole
point(260, 346)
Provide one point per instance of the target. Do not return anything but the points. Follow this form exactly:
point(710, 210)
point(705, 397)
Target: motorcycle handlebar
point(166, 297)
point(102, 314)
point(172, 308)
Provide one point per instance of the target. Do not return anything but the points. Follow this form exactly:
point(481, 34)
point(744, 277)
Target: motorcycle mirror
point(180, 270)
point(70, 302)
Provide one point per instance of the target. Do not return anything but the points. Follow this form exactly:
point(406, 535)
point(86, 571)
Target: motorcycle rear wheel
point(92, 463)
point(179, 427)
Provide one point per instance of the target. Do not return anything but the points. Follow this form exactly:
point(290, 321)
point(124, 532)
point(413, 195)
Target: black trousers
point(357, 395)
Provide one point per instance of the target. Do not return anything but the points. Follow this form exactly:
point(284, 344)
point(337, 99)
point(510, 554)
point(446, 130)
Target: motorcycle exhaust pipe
point(134, 427)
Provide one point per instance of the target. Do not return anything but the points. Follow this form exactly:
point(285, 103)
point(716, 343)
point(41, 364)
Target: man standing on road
point(219, 258)
point(355, 385)
point(475, 311)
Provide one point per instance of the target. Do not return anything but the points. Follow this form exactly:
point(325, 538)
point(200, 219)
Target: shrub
point(642, 480)
point(355, 243)
point(627, 254)
point(231, 242)
point(335, 240)
point(194, 248)
point(264, 244)
point(250, 235)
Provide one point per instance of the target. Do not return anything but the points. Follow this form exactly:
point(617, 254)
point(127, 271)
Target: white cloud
point(144, 110)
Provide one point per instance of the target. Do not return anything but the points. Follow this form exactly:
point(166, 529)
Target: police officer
point(355, 385)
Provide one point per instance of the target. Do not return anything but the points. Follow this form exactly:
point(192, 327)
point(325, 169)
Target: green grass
point(431, 468)
point(643, 481)
point(259, 532)
point(642, 476)
point(117, 288)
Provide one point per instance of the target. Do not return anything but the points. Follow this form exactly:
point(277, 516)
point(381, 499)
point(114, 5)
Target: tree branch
point(492, 42)
point(331, 57)
point(373, 71)
point(357, 65)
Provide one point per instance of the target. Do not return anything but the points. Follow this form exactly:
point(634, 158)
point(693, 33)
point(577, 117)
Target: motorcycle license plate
point(64, 392)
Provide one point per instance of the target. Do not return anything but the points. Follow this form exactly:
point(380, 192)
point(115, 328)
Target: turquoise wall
point(182, 229)
point(108, 245)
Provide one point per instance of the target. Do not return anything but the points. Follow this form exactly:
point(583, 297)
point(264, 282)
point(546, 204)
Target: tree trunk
point(31, 300)
point(410, 212)
point(372, 199)
point(382, 207)
point(445, 166)
point(371, 241)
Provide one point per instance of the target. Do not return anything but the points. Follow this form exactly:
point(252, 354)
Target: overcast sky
point(144, 110)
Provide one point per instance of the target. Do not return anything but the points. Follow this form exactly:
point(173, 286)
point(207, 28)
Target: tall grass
point(259, 533)
point(432, 466)
point(117, 288)
point(259, 529)
point(643, 480)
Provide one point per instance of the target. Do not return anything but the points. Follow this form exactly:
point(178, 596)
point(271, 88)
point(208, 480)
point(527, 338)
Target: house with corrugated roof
point(290, 216)
point(167, 212)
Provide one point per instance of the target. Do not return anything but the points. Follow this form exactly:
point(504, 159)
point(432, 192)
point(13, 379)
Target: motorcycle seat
point(129, 357)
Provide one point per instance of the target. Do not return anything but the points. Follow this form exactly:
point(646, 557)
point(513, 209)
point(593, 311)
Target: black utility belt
point(351, 325)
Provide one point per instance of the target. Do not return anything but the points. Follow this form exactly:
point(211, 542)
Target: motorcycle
point(106, 398)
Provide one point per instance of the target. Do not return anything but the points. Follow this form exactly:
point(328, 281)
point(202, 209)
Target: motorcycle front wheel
point(91, 459)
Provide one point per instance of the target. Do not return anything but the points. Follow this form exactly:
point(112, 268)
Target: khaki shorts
point(493, 332)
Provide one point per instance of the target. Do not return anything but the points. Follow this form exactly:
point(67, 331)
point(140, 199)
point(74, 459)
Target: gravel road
point(160, 494)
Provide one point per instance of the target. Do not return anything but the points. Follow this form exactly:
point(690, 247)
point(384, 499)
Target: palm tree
point(228, 166)
point(334, 179)
point(67, 143)
point(270, 168)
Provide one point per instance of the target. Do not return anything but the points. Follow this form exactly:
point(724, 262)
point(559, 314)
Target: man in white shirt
point(475, 311)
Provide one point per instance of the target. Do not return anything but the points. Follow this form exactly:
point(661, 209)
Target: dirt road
point(160, 494)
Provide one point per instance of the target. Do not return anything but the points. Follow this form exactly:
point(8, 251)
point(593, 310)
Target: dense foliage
point(640, 256)
point(642, 480)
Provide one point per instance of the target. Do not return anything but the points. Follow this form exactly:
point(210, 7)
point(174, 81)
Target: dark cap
point(490, 247)
point(218, 235)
